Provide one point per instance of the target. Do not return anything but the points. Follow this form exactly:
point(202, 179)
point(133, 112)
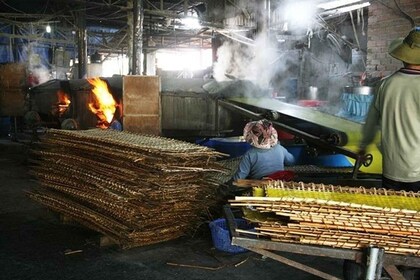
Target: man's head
point(260, 134)
point(407, 49)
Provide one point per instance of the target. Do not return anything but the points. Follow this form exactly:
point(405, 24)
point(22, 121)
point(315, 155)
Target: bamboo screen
point(135, 189)
point(342, 217)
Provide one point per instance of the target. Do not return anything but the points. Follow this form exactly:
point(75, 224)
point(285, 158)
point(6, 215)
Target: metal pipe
point(216, 117)
point(185, 7)
point(10, 53)
point(268, 14)
point(374, 262)
point(145, 62)
point(135, 24)
point(15, 49)
point(82, 42)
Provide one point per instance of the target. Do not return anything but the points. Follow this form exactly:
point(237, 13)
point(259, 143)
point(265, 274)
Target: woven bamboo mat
point(344, 217)
point(135, 189)
point(230, 165)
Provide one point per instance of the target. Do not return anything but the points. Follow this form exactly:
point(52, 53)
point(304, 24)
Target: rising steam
point(266, 58)
point(247, 62)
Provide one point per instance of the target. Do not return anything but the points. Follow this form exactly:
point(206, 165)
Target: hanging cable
point(363, 23)
point(398, 11)
point(413, 24)
point(354, 30)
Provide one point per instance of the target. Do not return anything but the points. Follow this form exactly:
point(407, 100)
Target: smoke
point(242, 61)
point(232, 61)
point(265, 58)
point(297, 16)
point(37, 64)
point(264, 63)
point(41, 72)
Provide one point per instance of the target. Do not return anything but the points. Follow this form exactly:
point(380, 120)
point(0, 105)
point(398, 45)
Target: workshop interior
point(127, 118)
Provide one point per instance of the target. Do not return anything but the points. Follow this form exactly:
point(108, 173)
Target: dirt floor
point(35, 244)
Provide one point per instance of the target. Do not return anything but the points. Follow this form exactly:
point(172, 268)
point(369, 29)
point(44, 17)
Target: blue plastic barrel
point(302, 158)
point(221, 237)
point(233, 146)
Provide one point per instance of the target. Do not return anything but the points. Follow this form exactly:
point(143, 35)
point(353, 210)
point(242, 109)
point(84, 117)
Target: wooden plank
point(322, 251)
point(393, 272)
point(142, 104)
point(294, 264)
point(142, 124)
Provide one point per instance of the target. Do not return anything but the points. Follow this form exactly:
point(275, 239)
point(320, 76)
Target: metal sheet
point(304, 113)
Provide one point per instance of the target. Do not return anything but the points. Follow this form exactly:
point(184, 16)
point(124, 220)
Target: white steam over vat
point(264, 57)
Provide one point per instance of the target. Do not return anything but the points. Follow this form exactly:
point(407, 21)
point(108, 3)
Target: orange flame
point(62, 104)
point(104, 106)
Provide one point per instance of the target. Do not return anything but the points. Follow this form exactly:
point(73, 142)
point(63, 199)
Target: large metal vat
point(187, 109)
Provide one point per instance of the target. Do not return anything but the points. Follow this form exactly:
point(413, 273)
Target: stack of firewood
point(135, 189)
point(342, 217)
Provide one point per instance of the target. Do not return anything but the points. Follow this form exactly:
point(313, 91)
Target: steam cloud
point(254, 63)
point(268, 60)
point(35, 64)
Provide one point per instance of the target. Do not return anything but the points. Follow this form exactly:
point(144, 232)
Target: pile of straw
point(341, 217)
point(135, 189)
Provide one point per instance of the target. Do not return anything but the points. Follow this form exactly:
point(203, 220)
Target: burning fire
point(62, 104)
point(104, 106)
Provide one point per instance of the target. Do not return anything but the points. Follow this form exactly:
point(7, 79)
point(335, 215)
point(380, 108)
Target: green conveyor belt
point(306, 114)
point(350, 128)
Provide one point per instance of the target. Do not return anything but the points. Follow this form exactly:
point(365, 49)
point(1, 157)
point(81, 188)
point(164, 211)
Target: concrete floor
point(34, 244)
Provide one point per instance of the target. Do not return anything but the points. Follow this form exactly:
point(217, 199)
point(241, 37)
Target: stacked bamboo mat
point(342, 217)
point(230, 165)
point(135, 189)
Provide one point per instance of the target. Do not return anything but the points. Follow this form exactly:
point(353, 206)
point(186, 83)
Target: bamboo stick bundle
point(136, 189)
point(373, 222)
point(338, 238)
point(367, 196)
point(132, 143)
point(130, 163)
point(322, 203)
point(152, 163)
point(82, 214)
point(336, 216)
point(380, 218)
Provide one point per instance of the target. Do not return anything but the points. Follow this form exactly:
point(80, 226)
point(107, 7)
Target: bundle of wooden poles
point(135, 189)
point(342, 217)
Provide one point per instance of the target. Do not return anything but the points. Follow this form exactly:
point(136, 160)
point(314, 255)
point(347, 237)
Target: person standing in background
point(395, 110)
